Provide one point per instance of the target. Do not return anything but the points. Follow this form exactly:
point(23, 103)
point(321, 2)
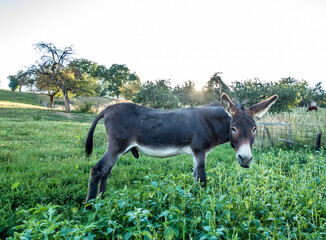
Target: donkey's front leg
point(199, 167)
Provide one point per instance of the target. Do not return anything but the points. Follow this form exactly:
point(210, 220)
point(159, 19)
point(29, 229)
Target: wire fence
point(274, 134)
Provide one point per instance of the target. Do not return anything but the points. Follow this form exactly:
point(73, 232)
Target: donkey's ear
point(259, 109)
point(228, 105)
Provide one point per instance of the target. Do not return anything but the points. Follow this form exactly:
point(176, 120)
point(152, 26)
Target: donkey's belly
point(164, 151)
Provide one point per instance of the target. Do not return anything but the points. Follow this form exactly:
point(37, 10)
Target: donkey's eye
point(234, 130)
point(254, 131)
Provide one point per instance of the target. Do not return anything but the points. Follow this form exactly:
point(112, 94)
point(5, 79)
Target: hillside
point(18, 97)
point(40, 99)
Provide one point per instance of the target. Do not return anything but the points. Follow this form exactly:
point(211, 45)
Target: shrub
point(84, 107)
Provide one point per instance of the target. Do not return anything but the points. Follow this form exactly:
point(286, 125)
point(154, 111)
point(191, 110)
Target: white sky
point(173, 39)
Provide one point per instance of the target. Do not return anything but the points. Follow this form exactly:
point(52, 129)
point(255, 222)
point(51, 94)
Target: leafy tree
point(22, 78)
point(250, 91)
point(289, 90)
point(81, 83)
point(53, 64)
point(91, 70)
point(129, 89)
point(157, 94)
point(318, 94)
point(214, 88)
point(57, 70)
point(13, 82)
point(86, 66)
point(188, 95)
point(115, 79)
point(45, 83)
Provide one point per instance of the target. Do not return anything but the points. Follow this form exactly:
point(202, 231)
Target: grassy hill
point(40, 99)
point(18, 97)
point(44, 176)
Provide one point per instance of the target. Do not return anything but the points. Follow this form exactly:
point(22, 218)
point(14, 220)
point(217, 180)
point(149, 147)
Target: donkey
point(163, 133)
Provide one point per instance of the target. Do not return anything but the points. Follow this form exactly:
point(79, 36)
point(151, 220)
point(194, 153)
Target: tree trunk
point(66, 100)
point(51, 100)
point(20, 88)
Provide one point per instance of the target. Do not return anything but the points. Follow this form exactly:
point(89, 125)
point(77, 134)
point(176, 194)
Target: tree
point(129, 89)
point(115, 78)
point(45, 83)
point(13, 82)
point(250, 91)
point(318, 94)
point(86, 66)
point(57, 70)
point(81, 83)
point(157, 94)
point(289, 90)
point(54, 64)
point(22, 78)
point(214, 88)
point(188, 95)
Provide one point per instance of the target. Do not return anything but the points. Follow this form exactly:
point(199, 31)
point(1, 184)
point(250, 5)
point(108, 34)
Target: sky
point(179, 40)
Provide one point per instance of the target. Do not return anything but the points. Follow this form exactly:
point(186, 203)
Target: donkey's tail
point(89, 139)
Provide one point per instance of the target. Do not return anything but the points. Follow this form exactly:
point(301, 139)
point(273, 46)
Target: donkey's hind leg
point(101, 171)
point(104, 180)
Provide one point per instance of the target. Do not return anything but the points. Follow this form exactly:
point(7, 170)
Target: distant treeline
point(292, 93)
point(57, 73)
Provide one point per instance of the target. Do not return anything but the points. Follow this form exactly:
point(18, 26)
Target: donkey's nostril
point(241, 158)
point(252, 158)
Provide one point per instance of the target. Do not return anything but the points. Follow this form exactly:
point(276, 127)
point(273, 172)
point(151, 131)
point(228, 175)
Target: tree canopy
point(291, 92)
point(188, 95)
point(116, 80)
point(157, 94)
point(214, 88)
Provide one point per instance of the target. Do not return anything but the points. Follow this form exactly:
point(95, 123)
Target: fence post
point(269, 137)
point(318, 140)
point(290, 137)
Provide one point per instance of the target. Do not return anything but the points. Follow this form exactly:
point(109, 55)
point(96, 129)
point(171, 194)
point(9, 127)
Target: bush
point(84, 107)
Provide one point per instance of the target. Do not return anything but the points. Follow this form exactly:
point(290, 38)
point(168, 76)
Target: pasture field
point(44, 175)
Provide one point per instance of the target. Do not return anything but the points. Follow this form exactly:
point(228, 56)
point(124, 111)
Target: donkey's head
point(243, 127)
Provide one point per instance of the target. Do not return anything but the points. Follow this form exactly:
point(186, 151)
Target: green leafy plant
point(84, 106)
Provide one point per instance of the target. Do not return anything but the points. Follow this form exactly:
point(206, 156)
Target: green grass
point(98, 103)
point(44, 175)
point(40, 99)
point(18, 97)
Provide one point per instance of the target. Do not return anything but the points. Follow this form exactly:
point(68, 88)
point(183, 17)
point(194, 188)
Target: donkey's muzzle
point(244, 160)
point(244, 155)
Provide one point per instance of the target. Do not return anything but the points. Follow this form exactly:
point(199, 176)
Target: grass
point(98, 103)
point(44, 175)
point(18, 97)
